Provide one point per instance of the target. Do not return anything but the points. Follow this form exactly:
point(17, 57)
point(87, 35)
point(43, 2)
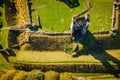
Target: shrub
point(2, 71)
point(35, 75)
point(21, 75)
point(69, 48)
point(26, 46)
point(9, 75)
point(51, 75)
point(66, 76)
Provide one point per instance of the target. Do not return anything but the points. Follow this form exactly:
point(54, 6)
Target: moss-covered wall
point(10, 13)
point(117, 21)
point(51, 43)
point(109, 42)
point(22, 12)
point(12, 38)
point(90, 68)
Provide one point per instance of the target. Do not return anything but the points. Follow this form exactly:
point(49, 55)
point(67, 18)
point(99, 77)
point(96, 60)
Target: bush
point(66, 76)
point(51, 75)
point(21, 75)
point(2, 72)
point(69, 48)
point(26, 46)
point(35, 75)
point(9, 75)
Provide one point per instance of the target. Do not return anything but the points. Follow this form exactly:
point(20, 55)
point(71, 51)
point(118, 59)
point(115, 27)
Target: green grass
point(3, 63)
point(2, 17)
point(96, 76)
point(62, 57)
point(3, 38)
point(52, 13)
point(3, 33)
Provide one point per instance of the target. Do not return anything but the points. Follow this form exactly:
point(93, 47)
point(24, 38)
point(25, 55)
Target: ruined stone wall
point(117, 21)
point(47, 43)
point(22, 13)
point(108, 41)
point(116, 15)
point(88, 68)
point(10, 13)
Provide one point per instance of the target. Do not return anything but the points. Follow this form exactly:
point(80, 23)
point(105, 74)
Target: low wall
point(12, 38)
point(10, 13)
point(86, 68)
point(109, 42)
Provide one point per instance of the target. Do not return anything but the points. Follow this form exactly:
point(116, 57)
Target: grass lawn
point(3, 38)
point(55, 15)
point(2, 15)
point(3, 63)
point(62, 57)
point(96, 76)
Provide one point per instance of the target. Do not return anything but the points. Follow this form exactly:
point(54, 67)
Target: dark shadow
point(7, 53)
point(96, 49)
point(1, 24)
point(1, 3)
point(30, 8)
point(71, 3)
point(35, 27)
point(0, 13)
point(39, 22)
point(1, 47)
point(11, 52)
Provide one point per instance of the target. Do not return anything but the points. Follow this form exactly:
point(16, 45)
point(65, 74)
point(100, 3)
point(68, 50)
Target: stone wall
point(49, 43)
point(10, 13)
point(87, 68)
point(52, 42)
point(108, 41)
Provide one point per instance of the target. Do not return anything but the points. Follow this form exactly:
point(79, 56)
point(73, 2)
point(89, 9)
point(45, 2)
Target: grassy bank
point(3, 63)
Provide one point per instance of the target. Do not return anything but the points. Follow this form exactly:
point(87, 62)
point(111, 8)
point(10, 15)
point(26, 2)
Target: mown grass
point(55, 15)
point(3, 38)
point(96, 76)
point(62, 57)
point(3, 63)
point(2, 16)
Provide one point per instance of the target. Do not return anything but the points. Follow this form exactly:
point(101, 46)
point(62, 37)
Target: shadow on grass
point(1, 3)
point(7, 53)
point(1, 24)
point(96, 49)
point(71, 3)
